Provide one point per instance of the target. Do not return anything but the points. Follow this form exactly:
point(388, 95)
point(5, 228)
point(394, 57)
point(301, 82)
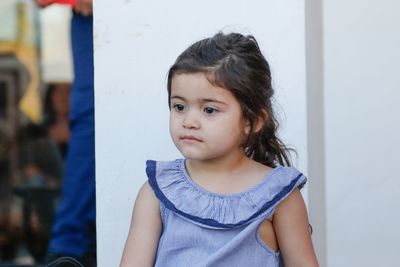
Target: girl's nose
point(190, 121)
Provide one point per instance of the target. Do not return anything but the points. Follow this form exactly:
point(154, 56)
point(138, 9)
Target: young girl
point(231, 201)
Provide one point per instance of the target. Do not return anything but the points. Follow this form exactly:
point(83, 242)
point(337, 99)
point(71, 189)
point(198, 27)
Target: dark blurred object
point(38, 215)
point(4, 171)
point(9, 232)
point(56, 260)
point(14, 80)
point(9, 238)
point(56, 111)
point(40, 160)
point(19, 265)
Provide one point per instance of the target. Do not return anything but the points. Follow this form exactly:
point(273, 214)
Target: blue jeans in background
point(73, 232)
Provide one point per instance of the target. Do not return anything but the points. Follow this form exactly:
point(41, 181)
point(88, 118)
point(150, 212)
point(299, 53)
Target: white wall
point(362, 95)
point(315, 126)
point(135, 42)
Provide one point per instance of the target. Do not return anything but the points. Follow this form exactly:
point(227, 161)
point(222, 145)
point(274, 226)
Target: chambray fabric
point(202, 228)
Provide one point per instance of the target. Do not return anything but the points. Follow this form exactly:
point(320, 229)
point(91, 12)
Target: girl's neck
point(219, 166)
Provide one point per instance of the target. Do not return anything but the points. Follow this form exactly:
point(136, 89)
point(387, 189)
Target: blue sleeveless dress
point(202, 228)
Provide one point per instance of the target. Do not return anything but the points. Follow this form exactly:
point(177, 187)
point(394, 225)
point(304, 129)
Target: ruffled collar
point(178, 193)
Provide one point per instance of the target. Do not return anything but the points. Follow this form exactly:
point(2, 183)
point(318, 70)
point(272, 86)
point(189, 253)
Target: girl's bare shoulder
point(146, 196)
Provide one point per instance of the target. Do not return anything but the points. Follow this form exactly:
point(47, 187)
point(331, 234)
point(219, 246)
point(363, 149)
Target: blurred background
point(35, 81)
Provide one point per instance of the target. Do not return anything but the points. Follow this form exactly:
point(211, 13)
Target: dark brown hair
point(235, 62)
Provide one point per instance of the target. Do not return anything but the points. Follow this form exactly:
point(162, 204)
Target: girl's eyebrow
point(178, 97)
point(213, 100)
point(204, 100)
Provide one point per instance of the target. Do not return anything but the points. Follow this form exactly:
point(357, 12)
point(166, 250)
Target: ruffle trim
point(178, 193)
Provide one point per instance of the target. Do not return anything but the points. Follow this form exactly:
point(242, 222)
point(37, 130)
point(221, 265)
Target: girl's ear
point(260, 122)
point(247, 128)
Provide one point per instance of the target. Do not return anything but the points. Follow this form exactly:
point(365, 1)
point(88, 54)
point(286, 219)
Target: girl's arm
point(144, 234)
point(293, 233)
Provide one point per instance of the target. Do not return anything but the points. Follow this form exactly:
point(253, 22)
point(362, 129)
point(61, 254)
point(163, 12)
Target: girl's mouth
point(190, 138)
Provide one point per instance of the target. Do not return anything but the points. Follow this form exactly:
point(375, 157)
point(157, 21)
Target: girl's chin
point(194, 155)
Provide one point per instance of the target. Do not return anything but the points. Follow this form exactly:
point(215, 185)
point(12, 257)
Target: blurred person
point(40, 166)
point(74, 232)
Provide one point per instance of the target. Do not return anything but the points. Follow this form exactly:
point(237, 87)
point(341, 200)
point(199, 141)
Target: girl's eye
point(210, 110)
point(179, 107)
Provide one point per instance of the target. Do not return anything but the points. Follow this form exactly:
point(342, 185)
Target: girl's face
point(206, 121)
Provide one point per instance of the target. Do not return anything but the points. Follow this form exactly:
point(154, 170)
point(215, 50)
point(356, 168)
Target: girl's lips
point(190, 138)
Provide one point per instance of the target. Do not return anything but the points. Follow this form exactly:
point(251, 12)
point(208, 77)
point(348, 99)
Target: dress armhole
point(163, 213)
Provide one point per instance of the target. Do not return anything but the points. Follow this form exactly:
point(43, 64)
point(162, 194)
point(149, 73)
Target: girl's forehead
point(196, 85)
